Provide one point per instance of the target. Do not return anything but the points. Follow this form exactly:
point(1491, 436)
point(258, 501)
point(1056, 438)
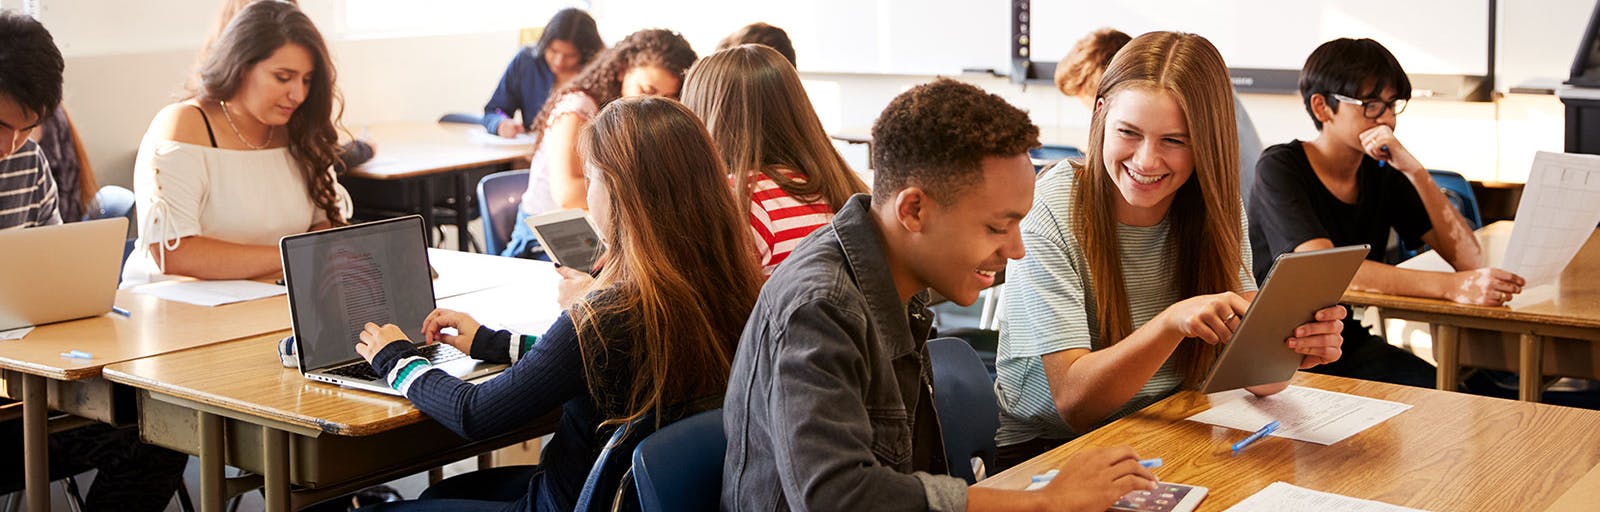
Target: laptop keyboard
point(436, 353)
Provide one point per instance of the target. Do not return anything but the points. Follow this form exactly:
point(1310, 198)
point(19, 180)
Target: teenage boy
point(1354, 183)
point(829, 404)
point(132, 475)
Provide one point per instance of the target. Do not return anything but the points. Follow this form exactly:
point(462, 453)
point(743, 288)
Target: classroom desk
point(1450, 451)
point(416, 152)
point(1549, 320)
point(233, 404)
point(35, 373)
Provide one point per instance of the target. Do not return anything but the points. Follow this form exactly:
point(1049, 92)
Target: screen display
point(572, 242)
point(340, 280)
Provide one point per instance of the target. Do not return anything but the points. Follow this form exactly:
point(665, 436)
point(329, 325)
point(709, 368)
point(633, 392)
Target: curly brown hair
point(937, 134)
point(1079, 72)
point(602, 78)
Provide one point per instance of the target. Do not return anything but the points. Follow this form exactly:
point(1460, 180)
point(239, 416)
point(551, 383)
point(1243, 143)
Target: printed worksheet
point(1304, 414)
point(210, 293)
point(1559, 209)
point(1283, 497)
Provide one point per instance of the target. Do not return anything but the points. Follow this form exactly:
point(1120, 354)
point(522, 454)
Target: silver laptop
point(1299, 284)
point(340, 279)
point(63, 272)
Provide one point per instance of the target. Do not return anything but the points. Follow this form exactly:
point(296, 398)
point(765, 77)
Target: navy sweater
point(547, 373)
point(524, 87)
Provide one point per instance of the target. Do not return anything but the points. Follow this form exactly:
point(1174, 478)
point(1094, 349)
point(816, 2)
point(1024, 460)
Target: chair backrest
point(114, 201)
point(1049, 154)
point(963, 397)
point(680, 466)
point(1459, 191)
point(611, 468)
point(499, 195)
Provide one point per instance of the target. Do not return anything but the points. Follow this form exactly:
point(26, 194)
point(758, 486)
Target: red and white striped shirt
point(779, 220)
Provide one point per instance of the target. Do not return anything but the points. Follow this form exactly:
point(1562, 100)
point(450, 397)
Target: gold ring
point(1230, 317)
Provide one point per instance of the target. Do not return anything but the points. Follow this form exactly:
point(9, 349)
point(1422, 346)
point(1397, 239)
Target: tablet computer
point(1299, 284)
point(569, 237)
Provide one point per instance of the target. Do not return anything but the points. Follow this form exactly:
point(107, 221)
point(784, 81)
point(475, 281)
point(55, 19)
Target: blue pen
point(121, 311)
point(1047, 476)
point(1266, 430)
point(77, 354)
point(1385, 149)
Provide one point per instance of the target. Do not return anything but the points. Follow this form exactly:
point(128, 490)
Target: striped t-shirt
point(27, 193)
point(780, 221)
point(1049, 308)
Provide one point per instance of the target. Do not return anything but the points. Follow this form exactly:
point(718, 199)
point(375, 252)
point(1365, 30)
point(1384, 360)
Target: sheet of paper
point(1304, 414)
point(1559, 209)
point(15, 334)
point(510, 307)
point(489, 139)
point(210, 293)
point(1283, 497)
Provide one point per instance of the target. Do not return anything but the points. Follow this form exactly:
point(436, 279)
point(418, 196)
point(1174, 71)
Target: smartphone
point(1167, 497)
point(569, 237)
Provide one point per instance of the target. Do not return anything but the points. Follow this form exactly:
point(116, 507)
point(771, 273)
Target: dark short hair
point(937, 134)
point(1358, 68)
point(30, 64)
point(761, 33)
point(573, 26)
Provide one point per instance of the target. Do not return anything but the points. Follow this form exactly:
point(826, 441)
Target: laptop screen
point(340, 279)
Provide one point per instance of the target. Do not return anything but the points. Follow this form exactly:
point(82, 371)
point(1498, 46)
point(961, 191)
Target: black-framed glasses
point(1373, 109)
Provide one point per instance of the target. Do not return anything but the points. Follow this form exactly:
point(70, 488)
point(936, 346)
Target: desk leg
point(1446, 351)
point(212, 480)
point(36, 443)
point(461, 212)
point(275, 460)
point(428, 222)
point(1530, 374)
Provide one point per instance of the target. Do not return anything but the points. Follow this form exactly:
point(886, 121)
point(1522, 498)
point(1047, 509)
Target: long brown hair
point(260, 29)
point(1204, 217)
point(677, 273)
point(759, 116)
point(602, 79)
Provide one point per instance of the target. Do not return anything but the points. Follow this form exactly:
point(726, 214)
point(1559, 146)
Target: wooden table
point(1546, 318)
point(233, 404)
point(414, 152)
point(1450, 451)
point(35, 373)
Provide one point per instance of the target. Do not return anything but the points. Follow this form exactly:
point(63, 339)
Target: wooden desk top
point(155, 327)
point(408, 150)
point(245, 376)
point(1450, 451)
point(1574, 301)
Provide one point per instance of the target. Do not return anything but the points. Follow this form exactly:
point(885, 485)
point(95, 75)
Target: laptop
point(339, 279)
point(1299, 284)
point(59, 273)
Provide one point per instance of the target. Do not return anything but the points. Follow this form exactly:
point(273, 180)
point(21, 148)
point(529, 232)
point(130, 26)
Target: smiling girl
point(1136, 269)
point(221, 176)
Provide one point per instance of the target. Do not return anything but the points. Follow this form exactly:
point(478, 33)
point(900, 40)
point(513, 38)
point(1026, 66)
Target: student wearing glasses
point(1352, 184)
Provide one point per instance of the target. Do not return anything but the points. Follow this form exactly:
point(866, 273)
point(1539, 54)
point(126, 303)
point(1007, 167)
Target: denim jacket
point(829, 404)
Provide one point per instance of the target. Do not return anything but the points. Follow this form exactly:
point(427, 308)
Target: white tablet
point(569, 238)
point(1299, 284)
point(1168, 497)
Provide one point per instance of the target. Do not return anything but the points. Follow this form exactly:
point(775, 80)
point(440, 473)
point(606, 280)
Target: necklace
point(229, 117)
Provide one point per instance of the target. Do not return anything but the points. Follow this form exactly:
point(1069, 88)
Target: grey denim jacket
point(829, 405)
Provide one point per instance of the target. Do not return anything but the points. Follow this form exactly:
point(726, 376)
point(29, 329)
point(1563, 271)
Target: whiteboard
point(919, 37)
point(1447, 37)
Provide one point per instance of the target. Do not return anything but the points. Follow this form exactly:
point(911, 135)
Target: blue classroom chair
point(1049, 154)
point(963, 397)
point(680, 466)
point(499, 195)
point(1458, 190)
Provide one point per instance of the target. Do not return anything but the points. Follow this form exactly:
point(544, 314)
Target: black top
point(548, 375)
point(1290, 206)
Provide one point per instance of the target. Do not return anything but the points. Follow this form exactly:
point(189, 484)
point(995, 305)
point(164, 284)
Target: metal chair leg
point(74, 496)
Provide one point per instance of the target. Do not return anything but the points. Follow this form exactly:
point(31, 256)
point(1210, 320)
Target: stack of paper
point(210, 293)
point(1282, 497)
point(1306, 414)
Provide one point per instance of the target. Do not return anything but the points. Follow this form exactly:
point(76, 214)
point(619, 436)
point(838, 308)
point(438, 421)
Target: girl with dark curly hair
point(648, 62)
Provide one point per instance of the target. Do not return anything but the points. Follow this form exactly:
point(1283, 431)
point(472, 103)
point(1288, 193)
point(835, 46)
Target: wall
point(126, 60)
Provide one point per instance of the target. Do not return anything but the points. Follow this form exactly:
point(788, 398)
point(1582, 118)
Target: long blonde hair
point(757, 112)
point(1204, 217)
point(678, 276)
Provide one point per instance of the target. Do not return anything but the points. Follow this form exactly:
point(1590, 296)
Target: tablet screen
point(571, 242)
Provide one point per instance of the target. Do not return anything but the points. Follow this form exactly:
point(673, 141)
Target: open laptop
point(1299, 284)
point(62, 272)
point(340, 279)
